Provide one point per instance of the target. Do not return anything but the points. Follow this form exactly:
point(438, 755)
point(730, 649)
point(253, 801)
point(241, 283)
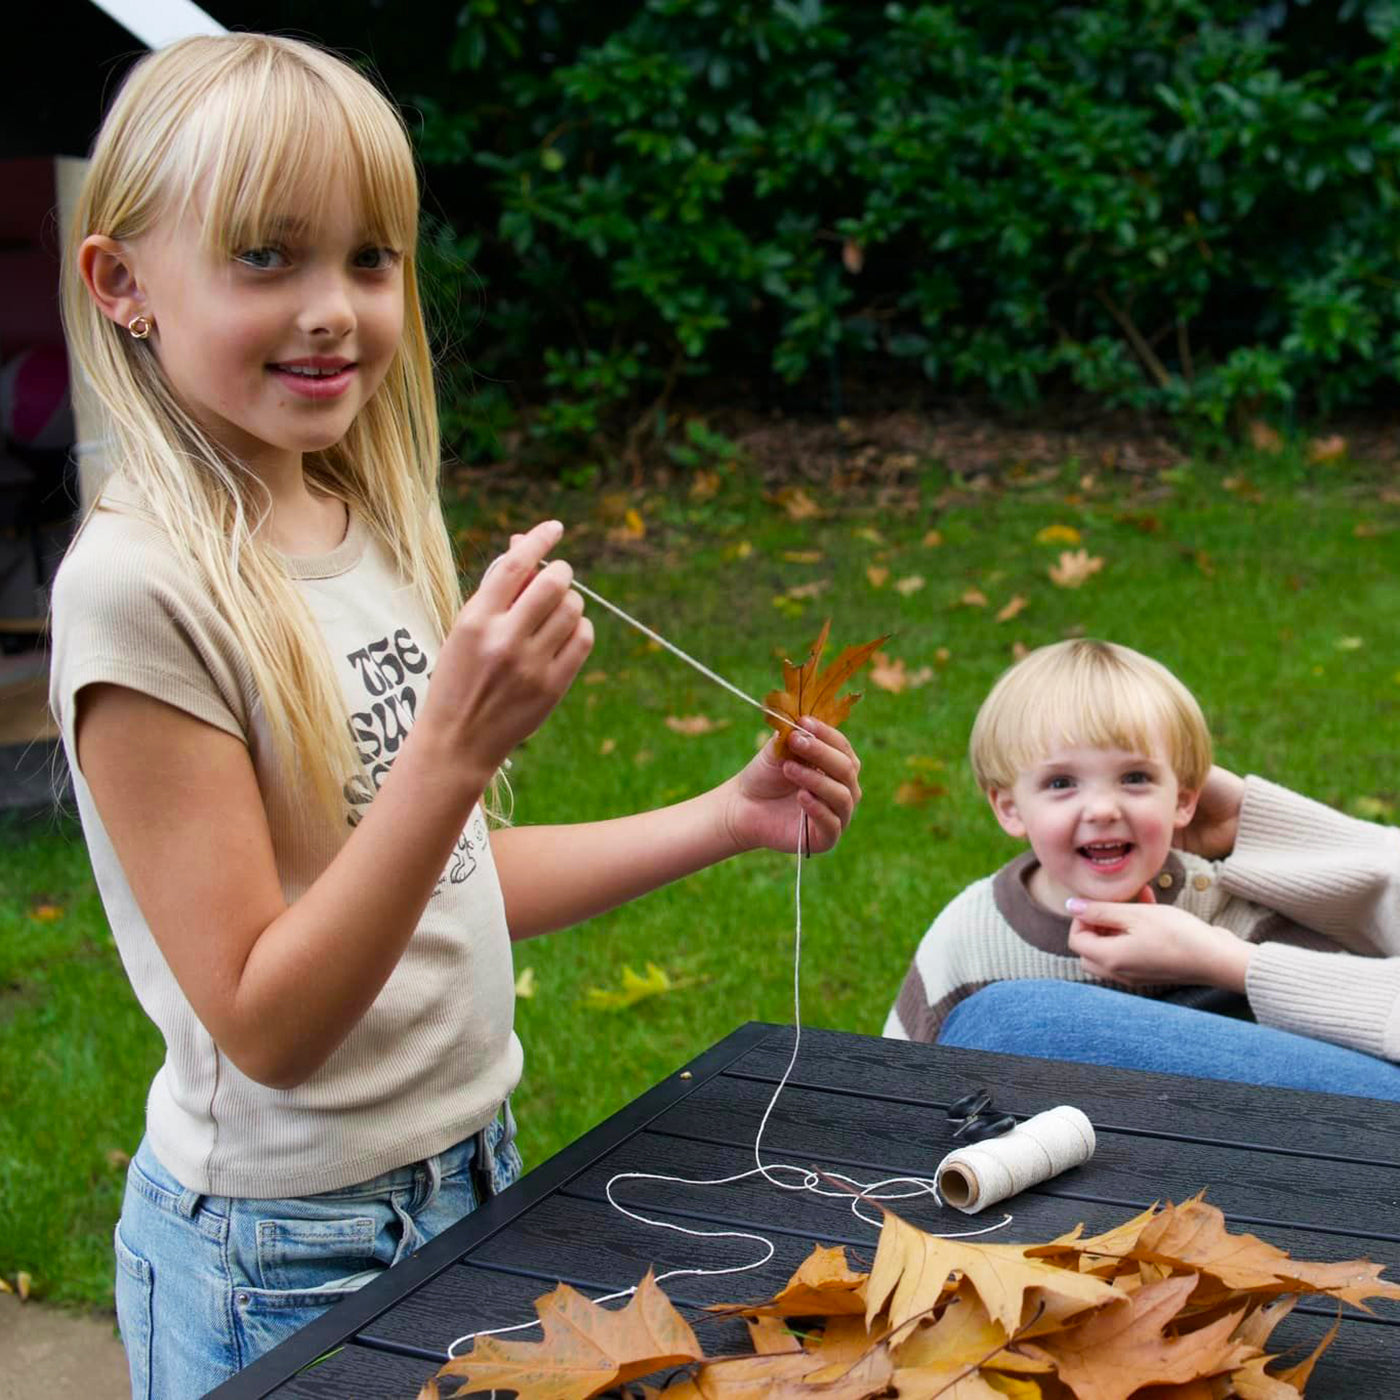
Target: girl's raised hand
point(766, 799)
point(513, 651)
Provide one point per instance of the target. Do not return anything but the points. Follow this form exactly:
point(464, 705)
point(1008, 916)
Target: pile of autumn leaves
point(1168, 1306)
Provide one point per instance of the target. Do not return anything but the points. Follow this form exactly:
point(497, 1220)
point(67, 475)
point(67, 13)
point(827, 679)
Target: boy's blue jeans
point(206, 1284)
point(1096, 1025)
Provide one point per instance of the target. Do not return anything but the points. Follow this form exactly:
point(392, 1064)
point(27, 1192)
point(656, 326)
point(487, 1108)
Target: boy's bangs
point(1097, 713)
point(297, 140)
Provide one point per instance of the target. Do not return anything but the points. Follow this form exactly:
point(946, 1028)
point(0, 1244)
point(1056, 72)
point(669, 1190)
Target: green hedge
point(1188, 206)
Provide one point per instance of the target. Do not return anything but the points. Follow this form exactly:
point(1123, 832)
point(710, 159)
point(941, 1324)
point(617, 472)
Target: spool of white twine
point(984, 1173)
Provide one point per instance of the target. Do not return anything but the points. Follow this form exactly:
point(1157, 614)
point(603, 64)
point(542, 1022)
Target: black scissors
point(977, 1119)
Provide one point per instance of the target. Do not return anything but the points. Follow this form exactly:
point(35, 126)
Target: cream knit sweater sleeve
point(1340, 876)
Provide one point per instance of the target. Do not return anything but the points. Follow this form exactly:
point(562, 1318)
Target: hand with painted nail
point(1142, 943)
point(820, 779)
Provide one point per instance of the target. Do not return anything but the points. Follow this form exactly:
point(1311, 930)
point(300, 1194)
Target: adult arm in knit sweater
point(1340, 876)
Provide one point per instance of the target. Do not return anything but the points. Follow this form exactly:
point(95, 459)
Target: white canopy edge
point(160, 22)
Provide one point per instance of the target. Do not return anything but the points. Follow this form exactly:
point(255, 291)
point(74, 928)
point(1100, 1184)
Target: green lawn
point(1276, 602)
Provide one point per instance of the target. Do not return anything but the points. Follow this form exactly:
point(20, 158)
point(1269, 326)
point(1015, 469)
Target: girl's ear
point(1004, 809)
point(107, 269)
point(1186, 799)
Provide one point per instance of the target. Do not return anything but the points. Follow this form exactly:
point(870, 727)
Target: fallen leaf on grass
point(808, 691)
point(801, 556)
point(694, 724)
point(877, 574)
point(1263, 437)
point(1074, 569)
point(809, 590)
point(1327, 449)
point(1057, 534)
point(634, 989)
point(47, 913)
point(973, 598)
point(915, 792)
point(742, 550)
point(795, 503)
point(932, 539)
point(525, 983)
point(889, 673)
point(595, 677)
point(1014, 608)
point(868, 533)
point(704, 485)
point(908, 586)
point(632, 529)
point(1349, 643)
point(607, 747)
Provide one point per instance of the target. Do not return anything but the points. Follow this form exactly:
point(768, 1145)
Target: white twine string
point(983, 1173)
point(806, 1178)
point(676, 651)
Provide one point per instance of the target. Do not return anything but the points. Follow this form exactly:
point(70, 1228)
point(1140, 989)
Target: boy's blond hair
point(1086, 692)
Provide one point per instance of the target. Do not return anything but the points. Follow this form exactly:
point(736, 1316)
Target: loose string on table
point(805, 1178)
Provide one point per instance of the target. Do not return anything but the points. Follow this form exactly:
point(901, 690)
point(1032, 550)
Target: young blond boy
point(1096, 756)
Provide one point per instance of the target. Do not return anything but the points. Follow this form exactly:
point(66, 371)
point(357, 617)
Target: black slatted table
point(1315, 1174)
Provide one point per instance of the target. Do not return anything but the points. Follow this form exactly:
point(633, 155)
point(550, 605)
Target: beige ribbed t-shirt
point(431, 1060)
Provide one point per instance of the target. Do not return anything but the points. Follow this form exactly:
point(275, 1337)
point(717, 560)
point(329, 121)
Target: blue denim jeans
point(1098, 1026)
point(206, 1284)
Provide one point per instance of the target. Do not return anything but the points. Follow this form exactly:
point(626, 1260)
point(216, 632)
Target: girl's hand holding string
point(820, 781)
point(513, 651)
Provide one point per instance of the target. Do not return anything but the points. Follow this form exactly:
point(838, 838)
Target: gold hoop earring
point(139, 327)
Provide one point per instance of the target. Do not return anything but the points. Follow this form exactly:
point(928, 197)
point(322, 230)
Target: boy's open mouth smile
point(1107, 857)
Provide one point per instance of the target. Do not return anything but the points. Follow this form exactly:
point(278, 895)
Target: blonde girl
point(281, 719)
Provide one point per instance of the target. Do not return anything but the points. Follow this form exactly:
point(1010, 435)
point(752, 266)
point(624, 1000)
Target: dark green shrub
point(1167, 204)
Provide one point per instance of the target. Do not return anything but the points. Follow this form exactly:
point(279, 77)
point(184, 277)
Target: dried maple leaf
point(1074, 569)
point(771, 1336)
point(1193, 1236)
point(1016, 606)
point(806, 691)
point(585, 1350)
point(823, 1286)
point(789, 1376)
point(963, 1336)
point(912, 1269)
point(1122, 1348)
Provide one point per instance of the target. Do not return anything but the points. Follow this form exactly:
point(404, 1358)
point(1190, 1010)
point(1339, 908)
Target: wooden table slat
point(1205, 1110)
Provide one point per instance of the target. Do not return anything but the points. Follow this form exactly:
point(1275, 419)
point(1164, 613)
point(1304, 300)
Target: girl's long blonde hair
point(256, 126)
